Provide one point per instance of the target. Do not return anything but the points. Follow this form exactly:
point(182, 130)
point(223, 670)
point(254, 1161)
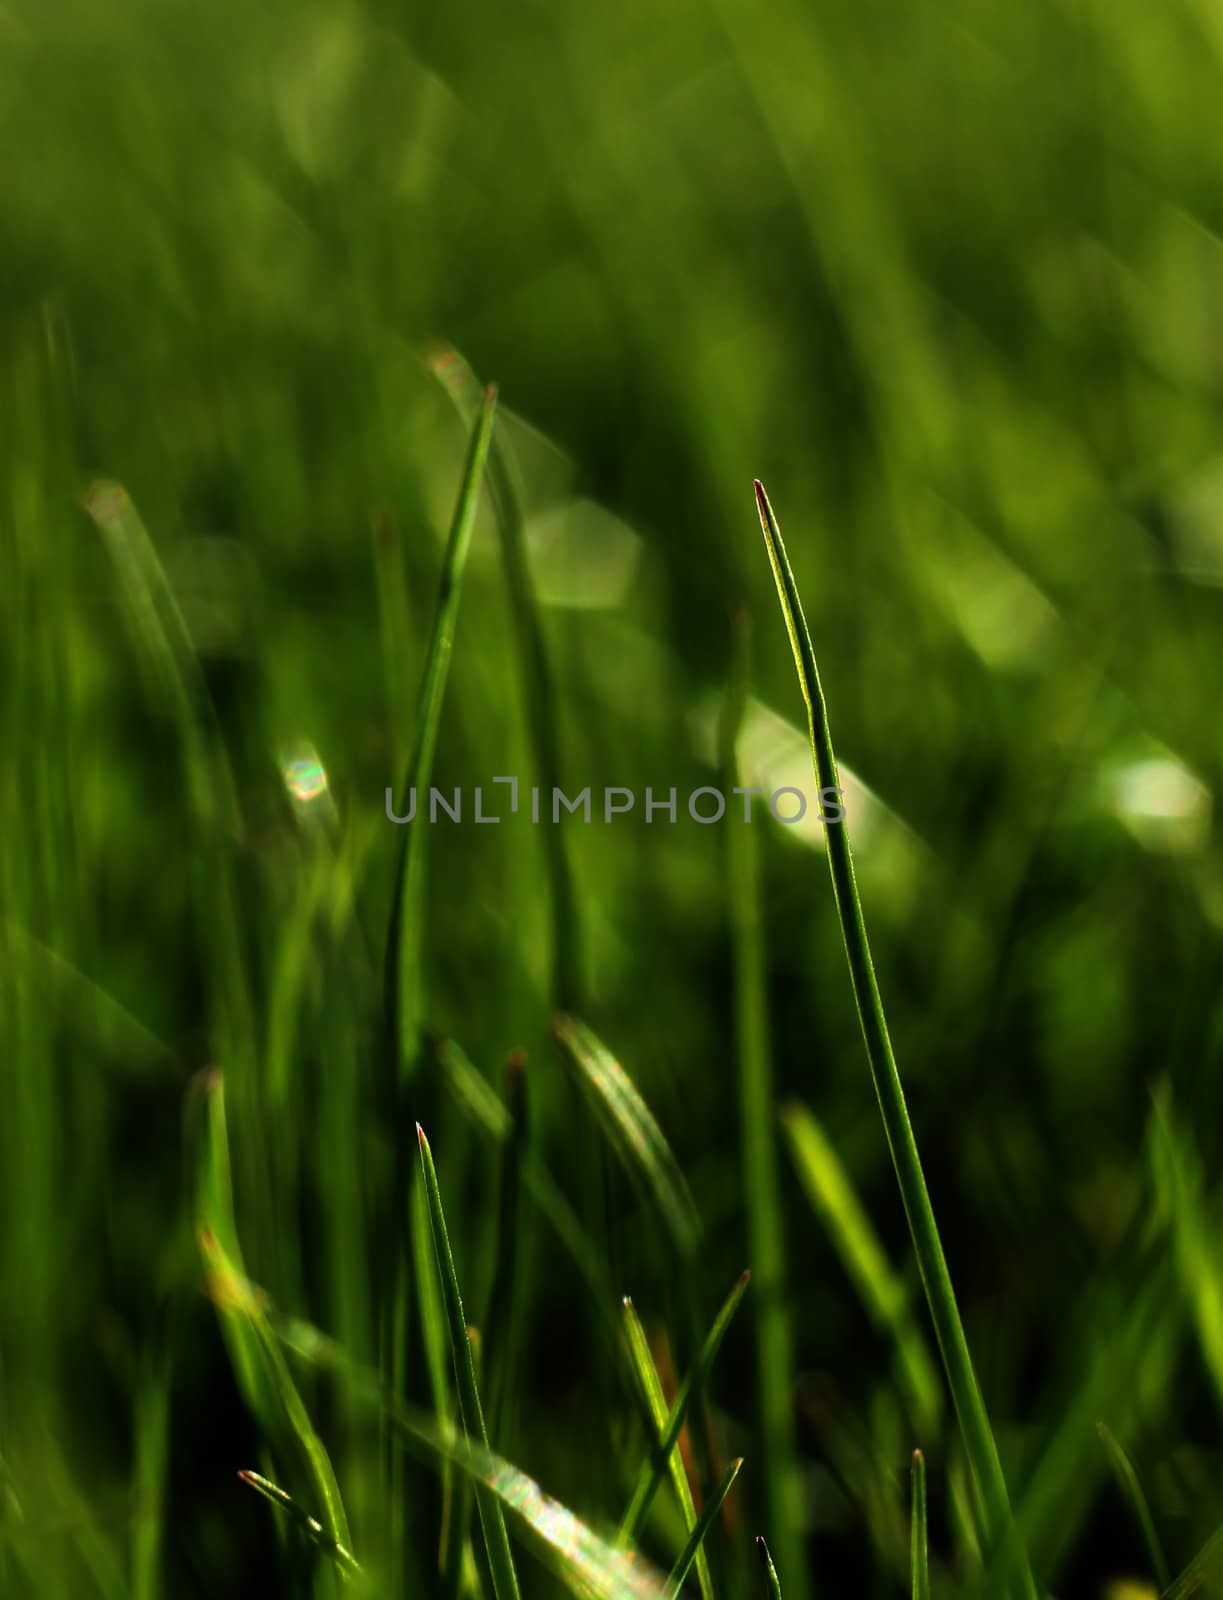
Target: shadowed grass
point(500, 1560)
point(1130, 1485)
point(979, 1442)
point(885, 1297)
point(650, 1386)
point(766, 1232)
point(633, 1132)
point(919, 1541)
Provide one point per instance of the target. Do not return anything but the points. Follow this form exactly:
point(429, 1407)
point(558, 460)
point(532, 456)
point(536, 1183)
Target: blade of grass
point(1131, 1489)
point(654, 1469)
point(828, 1187)
point(1203, 1572)
point(774, 1344)
point(404, 941)
point(919, 1540)
point(505, 491)
point(770, 1571)
point(238, 1301)
point(496, 1541)
point(696, 1539)
point(313, 1530)
point(633, 1131)
point(481, 1103)
point(979, 1442)
point(589, 1567)
point(656, 1409)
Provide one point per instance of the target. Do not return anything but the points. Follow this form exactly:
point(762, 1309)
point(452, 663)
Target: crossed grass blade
point(310, 1526)
point(979, 1443)
point(655, 1468)
point(587, 1564)
point(656, 1407)
point(693, 1549)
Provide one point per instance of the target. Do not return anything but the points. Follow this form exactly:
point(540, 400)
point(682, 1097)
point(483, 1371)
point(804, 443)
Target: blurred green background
point(949, 279)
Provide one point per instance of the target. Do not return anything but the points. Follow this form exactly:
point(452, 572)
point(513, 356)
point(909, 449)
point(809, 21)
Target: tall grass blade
point(543, 725)
point(632, 1130)
point(696, 1539)
point(405, 938)
point(1130, 1485)
point(656, 1407)
point(774, 1344)
point(979, 1442)
point(919, 1541)
point(655, 1468)
point(313, 1529)
point(496, 1541)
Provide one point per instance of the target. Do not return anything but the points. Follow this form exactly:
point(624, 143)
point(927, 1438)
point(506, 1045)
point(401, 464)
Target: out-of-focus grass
point(947, 277)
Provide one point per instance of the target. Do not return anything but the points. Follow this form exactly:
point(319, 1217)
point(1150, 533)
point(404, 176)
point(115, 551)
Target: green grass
point(966, 1395)
point(946, 277)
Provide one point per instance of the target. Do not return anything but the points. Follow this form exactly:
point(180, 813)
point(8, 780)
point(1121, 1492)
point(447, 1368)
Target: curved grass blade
point(766, 1234)
point(919, 1539)
point(631, 1128)
point(770, 1571)
point(405, 937)
point(313, 1530)
point(828, 1187)
point(692, 1550)
point(653, 1470)
point(979, 1443)
point(496, 1541)
point(656, 1407)
point(239, 1302)
point(1131, 1489)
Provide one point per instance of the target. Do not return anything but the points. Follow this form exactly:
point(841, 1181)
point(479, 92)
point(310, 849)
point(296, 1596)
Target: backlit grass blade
point(774, 1342)
point(1131, 1489)
point(655, 1468)
point(404, 942)
point(770, 1571)
point(313, 1529)
point(979, 1442)
point(497, 1545)
point(696, 1538)
point(919, 1541)
point(828, 1187)
point(238, 1301)
point(656, 1408)
point(632, 1130)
